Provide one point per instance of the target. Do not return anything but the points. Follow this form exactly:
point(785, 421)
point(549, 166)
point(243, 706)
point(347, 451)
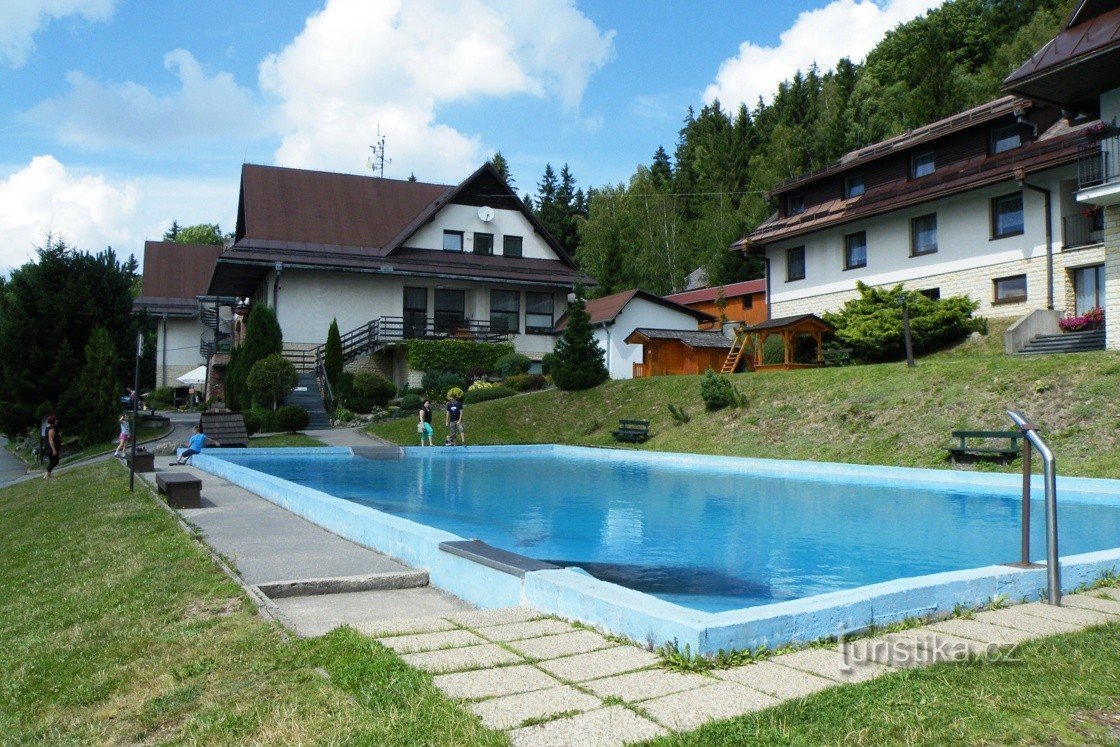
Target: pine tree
point(578, 362)
point(98, 390)
point(501, 165)
point(172, 234)
point(332, 354)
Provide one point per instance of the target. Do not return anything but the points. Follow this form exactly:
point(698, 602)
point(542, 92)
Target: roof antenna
point(376, 159)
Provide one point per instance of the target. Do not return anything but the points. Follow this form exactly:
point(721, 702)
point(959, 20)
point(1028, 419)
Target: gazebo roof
point(798, 323)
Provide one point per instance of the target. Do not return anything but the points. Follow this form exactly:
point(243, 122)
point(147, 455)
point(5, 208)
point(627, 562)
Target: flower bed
point(1092, 319)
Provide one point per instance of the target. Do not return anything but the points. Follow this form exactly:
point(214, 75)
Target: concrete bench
point(182, 490)
point(145, 460)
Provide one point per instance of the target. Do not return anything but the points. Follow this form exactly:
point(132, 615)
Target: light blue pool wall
point(573, 594)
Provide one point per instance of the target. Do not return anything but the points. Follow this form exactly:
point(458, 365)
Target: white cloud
point(20, 20)
point(96, 115)
point(358, 65)
point(843, 28)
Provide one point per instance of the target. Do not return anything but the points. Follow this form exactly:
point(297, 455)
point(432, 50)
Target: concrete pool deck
point(549, 682)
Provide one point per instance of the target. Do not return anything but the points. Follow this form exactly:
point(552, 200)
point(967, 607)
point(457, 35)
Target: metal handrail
point(1031, 437)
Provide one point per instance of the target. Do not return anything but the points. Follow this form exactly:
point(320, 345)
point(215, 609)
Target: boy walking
point(454, 421)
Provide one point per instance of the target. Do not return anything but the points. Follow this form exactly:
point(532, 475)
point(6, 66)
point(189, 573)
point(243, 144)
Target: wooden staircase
point(739, 345)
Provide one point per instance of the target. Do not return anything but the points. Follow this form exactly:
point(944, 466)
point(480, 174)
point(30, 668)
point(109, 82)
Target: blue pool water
point(702, 536)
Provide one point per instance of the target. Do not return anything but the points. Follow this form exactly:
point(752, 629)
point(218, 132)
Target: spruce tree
point(97, 390)
point(501, 165)
point(262, 338)
point(578, 362)
point(332, 354)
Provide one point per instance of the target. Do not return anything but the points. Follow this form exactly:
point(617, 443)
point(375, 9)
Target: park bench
point(182, 490)
point(145, 460)
point(985, 448)
point(634, 431)
point(836, 356)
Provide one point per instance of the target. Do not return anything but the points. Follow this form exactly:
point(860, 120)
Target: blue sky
point(117, 116)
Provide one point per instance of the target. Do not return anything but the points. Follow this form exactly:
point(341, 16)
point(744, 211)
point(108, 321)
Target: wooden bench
point(836, 357)
point(1009, 451)
point(182, 490)
point(634, 431)
point(145, 460)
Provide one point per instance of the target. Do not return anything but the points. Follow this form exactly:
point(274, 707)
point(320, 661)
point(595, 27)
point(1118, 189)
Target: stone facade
point(1112, 276)
point(977, 282)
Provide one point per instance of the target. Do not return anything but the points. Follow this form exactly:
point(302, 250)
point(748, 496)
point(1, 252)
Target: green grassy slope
point(882, 414)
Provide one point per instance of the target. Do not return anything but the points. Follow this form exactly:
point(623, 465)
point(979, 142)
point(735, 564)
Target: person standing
point(122, 440)
point(54, 445)
point(424, 426)
point(454, 421)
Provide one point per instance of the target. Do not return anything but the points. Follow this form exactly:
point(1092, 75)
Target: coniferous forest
point(683, 209)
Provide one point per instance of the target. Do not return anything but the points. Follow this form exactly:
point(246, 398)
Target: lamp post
point(135, 411)
point(906, 330)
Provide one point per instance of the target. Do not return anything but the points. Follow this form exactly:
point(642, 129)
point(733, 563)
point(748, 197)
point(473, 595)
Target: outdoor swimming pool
point(709, 534)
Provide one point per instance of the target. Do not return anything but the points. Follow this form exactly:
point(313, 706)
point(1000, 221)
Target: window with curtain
point(539, 312)
point(505, 311)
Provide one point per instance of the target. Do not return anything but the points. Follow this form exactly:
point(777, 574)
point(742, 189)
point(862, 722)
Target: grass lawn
point(880, 414)
point(284, 439)
point(117, 628)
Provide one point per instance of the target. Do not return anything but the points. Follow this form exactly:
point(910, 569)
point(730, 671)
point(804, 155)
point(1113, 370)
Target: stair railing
point(1050, 482)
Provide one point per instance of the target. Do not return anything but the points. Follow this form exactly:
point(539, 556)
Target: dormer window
point(853, 185)
point(922, 164)
point(1006, 138)
point(795, 205)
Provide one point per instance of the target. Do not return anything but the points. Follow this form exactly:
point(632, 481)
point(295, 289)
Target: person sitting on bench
point(194, 446)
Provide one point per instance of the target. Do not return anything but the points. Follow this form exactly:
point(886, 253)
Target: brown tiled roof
point(1078, 64)
point(1056, 147)
point(174, 274)
point(732, 290)
point(924, 134)
point(789, 321)
point(606, 309)
point(691, 339)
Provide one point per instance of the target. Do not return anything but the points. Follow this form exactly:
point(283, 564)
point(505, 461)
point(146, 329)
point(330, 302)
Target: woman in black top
point(54, 445)
point(424, 427)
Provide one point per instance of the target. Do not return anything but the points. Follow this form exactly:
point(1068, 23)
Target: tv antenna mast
point(376, 160)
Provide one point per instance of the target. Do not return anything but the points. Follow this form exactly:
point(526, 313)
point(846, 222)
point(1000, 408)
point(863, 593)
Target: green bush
point(370, 390)
point(270, 380)
point(161, 399)
point(436, 383)
point(343, 414)
point(579, 359)
point(457, 393)
point(484, 395)
point(512, 364)
point(411, 403)
point(457, 356)
point(252, 422)
point(718, 392)
point(292, 418)
point(525, 382)
point(547, 362)
point(344, 387)
point(265, 417)
point(871, 325)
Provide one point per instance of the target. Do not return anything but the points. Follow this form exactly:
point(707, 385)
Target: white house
point(615, 317)
point(983, 204)
point(174, 276)
point(394, 260)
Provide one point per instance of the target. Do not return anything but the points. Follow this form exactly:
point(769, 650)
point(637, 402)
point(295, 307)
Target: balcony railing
point(1099, 163)
point(1082, 230)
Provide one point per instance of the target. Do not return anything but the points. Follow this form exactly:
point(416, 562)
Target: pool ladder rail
point(1053, 571)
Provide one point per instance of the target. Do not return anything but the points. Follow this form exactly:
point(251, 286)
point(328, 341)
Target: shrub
point(266, 419)
point(871, 325)
point(436, 383)
point(343, 415)
point(512, 364)
point(525, 382)
point(292, 418)
point(270, 379)
point(262, 339)
point(579, 359)
point(332, 353)
point(718, 392)
point(411, 403)
point(546, 363)
point(455, 393)
point(484, 395)
point(678, 413)
point(252, 422)
point(344, 387)
point(370, 390)
point(479, 385)
point(457, 356)
point(162, 398)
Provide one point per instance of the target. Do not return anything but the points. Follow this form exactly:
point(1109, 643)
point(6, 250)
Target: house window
point(1010, 290)
point(1088, 289)
point(511, 246)
point(795, 264)
point(795, 204)
point(923, 235)
point(451, 306)
point(855, 250)
point(748, 302)
point(505, 311)
point(922, 164)
point(452, 241)
point(484, 243)
point(415, 312)
point(538, 313)
point(933, 294)
point(853, 185)
point(1006, 138)
point(1007, 216)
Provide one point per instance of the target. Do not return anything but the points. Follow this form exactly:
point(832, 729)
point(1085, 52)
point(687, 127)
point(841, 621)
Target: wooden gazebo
point(790, 328)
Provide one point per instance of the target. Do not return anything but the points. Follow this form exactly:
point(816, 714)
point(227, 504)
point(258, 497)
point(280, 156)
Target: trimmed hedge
point(457, 356)
point(512, 365)
point(486, 394)
point(370, 390)
point(291, 418)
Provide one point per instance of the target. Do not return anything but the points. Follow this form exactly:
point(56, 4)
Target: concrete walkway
point(353, 437)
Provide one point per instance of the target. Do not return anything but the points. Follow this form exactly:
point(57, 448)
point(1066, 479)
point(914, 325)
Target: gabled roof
point(732, 290)
point(604, 311)
point(327, 221)
point(1081, 62)
point(695, 340)
point(801, 321)
point(174, 274)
